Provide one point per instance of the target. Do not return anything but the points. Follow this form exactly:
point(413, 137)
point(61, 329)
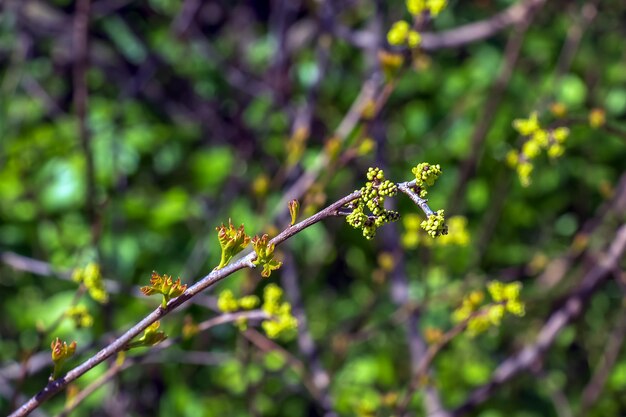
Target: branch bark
point(53, 387)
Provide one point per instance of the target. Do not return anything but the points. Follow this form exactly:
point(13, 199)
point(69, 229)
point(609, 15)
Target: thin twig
point(407, 188)
point(457, 37)
point(128, 362)
point(215, 276)
point(477, 31)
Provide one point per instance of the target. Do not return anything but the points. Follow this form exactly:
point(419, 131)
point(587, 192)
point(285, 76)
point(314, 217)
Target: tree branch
point(117, 368)
point(457, 37)
point(53, 387)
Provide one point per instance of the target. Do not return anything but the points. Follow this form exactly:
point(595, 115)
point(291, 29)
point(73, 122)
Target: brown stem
point(53, 387)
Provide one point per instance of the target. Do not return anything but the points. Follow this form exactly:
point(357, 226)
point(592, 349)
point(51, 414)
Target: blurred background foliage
point(198, 112)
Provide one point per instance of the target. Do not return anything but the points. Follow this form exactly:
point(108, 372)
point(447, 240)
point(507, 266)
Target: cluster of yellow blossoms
point(80, 316)
point(537, 139)
point(281, 320)
point(505, 298)
point(414, 234)
point(401, 32)
point(91, 277)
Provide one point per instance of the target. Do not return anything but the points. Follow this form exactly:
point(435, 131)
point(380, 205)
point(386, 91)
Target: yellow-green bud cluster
point(458, 235)
point(537, 139)
point(373, 195)
point(265, 255)
point(164, 285)
point(505, 298)
point(80, 316)
point(469, 304)
point(434, 7)
point(248, 302)
point(597, 118)
point(61, 352)
point(425, 176)
point(232, 241)
point(435, 225)
point(282, 321)
point(227, 303)
point(91, 277)
point(401, 33)
point(508, 294)
point(294, 207)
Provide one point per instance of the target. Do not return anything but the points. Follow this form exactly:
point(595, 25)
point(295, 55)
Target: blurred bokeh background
point(129, 130)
